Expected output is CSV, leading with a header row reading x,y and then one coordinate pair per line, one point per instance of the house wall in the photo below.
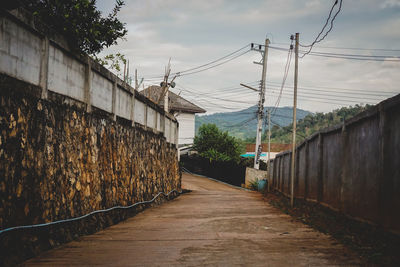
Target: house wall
x,y
186,128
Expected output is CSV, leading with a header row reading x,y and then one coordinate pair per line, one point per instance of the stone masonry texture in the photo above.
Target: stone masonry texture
x,y
58,161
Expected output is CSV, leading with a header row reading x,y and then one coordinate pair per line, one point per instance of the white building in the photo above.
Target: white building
x,y
183,110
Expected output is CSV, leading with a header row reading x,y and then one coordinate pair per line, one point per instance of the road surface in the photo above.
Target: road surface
x,y
214,225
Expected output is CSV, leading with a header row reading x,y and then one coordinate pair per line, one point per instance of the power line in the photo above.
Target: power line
x,y
352,48
206,95
356,58
192,70
336,93
325,100
341,96
334,98
344,90
348,56
318,39
221,99
243,122
286,72
287,129
224,62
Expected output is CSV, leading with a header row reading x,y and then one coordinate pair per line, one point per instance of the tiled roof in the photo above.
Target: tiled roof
x,y
176,102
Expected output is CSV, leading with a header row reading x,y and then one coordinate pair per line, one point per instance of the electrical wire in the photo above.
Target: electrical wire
x,y
243,122
338,90
283,128
192,70
327,100
352,48
286,72
333,98
216,98
224,62
347,56
340,96
318,38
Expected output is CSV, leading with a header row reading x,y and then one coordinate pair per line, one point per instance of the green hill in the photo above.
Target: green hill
x,y
313,123
242,124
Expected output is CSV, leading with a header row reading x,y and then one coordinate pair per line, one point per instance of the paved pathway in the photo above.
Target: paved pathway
x,y
214,225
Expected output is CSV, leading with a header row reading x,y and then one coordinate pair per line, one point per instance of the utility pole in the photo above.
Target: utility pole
x,y
165,86
136,81
269,139
296,66
258,149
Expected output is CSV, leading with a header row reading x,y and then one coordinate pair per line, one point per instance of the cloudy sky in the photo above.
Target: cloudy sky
x,y
193,33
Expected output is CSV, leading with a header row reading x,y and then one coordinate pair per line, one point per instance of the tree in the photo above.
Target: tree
x,y
214,144
80,22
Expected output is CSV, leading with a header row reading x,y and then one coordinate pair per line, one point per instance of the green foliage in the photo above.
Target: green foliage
x,y
80,22
216,145
254,185
313,123
115,62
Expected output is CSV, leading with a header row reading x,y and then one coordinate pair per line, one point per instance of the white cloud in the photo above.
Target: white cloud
x,y
390,4
195,32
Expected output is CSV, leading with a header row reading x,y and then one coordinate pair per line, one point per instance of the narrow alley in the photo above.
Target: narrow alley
x,y
215,224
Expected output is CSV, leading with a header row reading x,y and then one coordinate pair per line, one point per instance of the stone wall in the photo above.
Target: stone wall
x,y
57,161
352,168
29,55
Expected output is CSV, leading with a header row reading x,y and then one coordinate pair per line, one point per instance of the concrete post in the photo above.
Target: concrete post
x,y
280,174
44,67
343,168
274,173
163,120
114,100
171,130
88,84
383,185
297,172
133,101
177,134
320,168
306,162
145,116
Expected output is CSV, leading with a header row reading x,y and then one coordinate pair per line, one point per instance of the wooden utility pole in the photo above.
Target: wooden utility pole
x,y
261,108
292,173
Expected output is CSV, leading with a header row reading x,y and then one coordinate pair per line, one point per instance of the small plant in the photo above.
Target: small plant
x,y
254,185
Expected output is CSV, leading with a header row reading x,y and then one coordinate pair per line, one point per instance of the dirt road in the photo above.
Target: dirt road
x,y
214,225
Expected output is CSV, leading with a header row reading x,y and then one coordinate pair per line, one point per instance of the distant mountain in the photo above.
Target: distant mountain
x,y
242,124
